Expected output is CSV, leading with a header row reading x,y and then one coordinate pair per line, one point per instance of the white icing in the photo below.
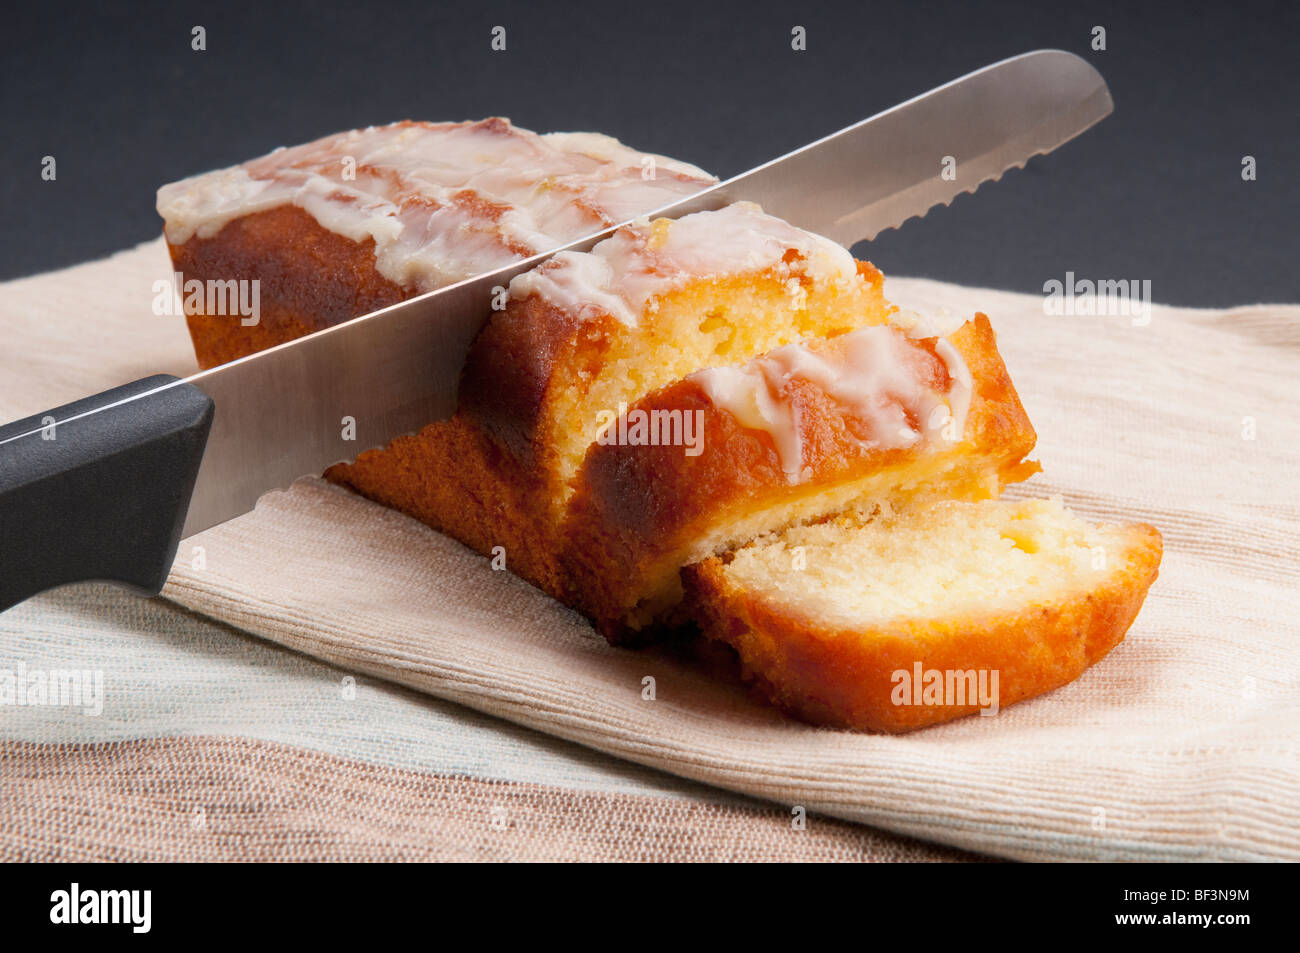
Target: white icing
x,y
580,284
647,259
442,201
960,390
871,373
936,324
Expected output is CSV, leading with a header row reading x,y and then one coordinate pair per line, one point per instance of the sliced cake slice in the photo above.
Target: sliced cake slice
x,y
882,415
906,619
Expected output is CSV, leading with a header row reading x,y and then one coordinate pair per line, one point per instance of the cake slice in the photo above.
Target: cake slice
x,y
896,620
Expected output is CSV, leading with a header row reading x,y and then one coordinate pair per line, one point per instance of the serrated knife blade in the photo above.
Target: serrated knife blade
x,y
280,413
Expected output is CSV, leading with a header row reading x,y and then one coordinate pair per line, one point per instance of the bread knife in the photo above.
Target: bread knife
x,y
105,488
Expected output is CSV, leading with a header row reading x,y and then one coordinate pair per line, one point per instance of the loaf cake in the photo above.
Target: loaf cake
x,y
650,430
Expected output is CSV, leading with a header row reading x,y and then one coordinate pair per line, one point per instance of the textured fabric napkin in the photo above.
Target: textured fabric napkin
x,y
1182,744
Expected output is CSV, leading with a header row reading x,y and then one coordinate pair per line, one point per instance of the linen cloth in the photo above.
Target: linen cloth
x,y
216,745
1182,744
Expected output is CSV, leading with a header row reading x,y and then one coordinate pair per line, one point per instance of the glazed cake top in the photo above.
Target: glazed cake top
x,y
442,201
876,374
621,274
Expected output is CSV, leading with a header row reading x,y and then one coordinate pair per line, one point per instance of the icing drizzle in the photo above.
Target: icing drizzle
x,y
624,272
442,201
875,374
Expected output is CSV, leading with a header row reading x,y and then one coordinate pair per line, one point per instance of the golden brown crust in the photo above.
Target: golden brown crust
x,y
513,363
453,477
310,278
843,678
638,507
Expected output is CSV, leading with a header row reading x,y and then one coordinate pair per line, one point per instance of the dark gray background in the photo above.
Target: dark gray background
x,y
116,94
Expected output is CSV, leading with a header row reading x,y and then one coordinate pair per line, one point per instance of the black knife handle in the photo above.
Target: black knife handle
x,y
101,496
